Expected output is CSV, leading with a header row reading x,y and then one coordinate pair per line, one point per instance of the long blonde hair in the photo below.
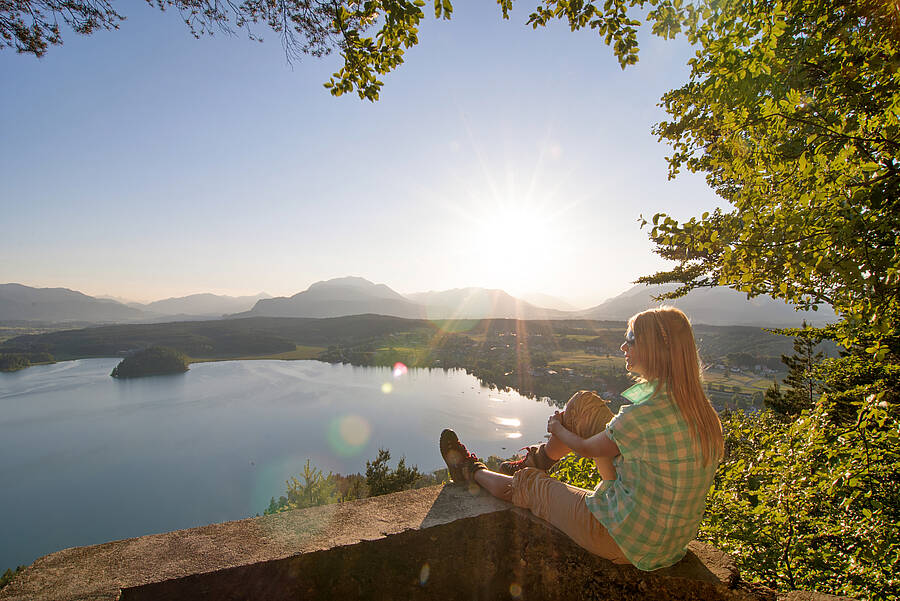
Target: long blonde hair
x,y
666,342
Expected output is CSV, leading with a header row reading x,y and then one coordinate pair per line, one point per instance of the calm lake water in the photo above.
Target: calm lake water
x,y
86,458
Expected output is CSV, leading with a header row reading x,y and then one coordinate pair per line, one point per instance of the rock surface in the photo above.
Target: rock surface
x,y
443,542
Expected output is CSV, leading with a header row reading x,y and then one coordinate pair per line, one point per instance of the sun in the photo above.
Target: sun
x,y
512,244
510,237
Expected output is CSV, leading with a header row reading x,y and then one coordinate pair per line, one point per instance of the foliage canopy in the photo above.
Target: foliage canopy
x,y
793,113
152,361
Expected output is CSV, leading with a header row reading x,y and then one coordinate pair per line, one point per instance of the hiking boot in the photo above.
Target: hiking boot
x,y
535,456
461,464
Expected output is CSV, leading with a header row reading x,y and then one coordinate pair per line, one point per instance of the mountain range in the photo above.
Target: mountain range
x,y
711,306
60,305
356,295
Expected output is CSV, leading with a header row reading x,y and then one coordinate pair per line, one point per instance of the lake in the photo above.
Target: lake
x,y
86,458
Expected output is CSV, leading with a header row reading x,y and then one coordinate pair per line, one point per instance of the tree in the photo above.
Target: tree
x,y
371,36
316,488
9,574
773,396
802,380
381,479
791,112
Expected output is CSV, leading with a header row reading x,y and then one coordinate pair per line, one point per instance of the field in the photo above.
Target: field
x,y
744,381
301,352
578,359
409,355
11,330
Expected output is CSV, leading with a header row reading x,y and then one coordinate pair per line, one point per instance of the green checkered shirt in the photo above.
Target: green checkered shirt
x,y
654,507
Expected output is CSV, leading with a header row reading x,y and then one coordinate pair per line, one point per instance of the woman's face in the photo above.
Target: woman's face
x,y
634,357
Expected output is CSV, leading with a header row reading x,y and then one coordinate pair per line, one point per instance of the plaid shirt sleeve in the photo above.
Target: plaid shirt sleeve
x,y
623,430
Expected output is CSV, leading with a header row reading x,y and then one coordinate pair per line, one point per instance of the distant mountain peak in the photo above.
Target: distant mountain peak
x,y
25,303
350,280
711,306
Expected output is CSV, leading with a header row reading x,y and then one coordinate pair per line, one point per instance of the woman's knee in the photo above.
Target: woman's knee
x,y
579,398
586,413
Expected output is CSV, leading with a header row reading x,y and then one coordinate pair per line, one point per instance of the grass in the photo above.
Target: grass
x,y
410,355
745,382
299,353
576,359
580,337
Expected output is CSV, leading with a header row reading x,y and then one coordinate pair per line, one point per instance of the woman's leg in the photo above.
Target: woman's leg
x,y
499,485
564,507
556,449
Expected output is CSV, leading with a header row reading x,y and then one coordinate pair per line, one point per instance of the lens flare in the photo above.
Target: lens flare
x,y
424,573
387,387
515,590
399,369
347,435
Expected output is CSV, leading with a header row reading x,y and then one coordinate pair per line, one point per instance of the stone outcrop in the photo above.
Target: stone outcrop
x,y
443,542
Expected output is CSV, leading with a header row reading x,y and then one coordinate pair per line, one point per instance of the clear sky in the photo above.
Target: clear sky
x,y
145,164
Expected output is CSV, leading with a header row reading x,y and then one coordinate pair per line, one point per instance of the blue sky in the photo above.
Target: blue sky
x,y
143,163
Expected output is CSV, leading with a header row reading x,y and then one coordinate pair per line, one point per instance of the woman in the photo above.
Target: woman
x,y
657,457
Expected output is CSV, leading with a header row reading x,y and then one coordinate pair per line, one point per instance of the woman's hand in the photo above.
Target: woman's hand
x,y
555,422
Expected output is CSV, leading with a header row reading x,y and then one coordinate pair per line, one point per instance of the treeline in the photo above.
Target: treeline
x,y
495,362
313,487
363,334
16,361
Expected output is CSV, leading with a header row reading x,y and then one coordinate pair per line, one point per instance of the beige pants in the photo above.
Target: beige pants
x,y
560,504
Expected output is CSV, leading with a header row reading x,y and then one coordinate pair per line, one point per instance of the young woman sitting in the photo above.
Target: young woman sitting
x,y
657,457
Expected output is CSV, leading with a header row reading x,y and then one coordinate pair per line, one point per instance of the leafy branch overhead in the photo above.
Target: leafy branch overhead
x,y
372,36
792,112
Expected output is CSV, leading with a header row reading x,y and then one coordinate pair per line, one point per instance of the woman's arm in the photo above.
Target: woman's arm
x,y
599,445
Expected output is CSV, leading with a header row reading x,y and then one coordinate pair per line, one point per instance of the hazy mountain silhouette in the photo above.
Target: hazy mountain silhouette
x,y
356,296
338,297
539,299
479,303
24,303
712,306
204,304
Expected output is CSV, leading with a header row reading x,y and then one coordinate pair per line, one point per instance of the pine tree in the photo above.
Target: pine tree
x,y
802,385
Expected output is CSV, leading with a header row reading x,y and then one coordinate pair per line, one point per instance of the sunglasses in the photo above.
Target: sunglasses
x,y
629,338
